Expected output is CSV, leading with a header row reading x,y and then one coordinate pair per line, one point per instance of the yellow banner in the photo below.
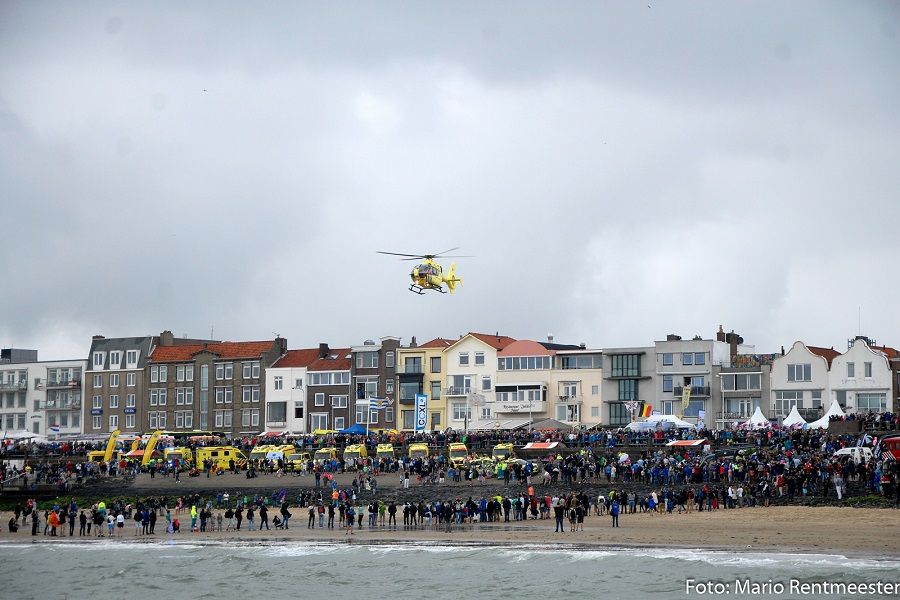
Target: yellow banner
x,y
685,398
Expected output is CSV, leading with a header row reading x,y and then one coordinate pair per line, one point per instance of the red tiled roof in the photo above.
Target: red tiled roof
x,y
437,343
497,341
829,354
222,350
297,358
525,348
891,352
340,362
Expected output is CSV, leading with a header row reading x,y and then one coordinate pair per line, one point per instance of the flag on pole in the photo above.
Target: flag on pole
x,y
647,410
378,403
54,429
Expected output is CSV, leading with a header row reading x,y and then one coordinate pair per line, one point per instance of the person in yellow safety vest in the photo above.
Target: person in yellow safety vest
x,y
193,516
559,457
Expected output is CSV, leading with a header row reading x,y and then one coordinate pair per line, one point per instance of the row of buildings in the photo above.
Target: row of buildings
x,y
476,381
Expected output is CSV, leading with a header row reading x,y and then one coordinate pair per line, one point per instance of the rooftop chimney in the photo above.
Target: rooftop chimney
x,y
99,337
166,338
720,335
673,338
582,345
413,343
323,350
550,337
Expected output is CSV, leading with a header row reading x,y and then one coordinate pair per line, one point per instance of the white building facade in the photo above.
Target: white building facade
x,y
860,379
44,398
799,378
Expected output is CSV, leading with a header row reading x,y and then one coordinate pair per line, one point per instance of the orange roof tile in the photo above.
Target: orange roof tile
x,y
338,359
891,352
525,348
223,350
437,343
297,358
497,341
829,354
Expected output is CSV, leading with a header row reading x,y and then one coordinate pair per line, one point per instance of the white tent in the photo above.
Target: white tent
x,y
758,421
659,422
834,410
21,435
794,419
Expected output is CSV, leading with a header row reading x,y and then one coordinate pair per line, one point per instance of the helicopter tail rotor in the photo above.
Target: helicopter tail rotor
x,y
451,278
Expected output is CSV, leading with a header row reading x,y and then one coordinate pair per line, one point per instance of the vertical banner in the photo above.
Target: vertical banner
x,y
421,412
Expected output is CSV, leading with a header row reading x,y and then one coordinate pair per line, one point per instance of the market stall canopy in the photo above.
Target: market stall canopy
x,y
356,429
548,446
794,419
22,435
551,424
271,434
833,411
758,421
688,443
659,422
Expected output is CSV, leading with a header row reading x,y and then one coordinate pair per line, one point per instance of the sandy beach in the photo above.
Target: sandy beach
x,y
826,530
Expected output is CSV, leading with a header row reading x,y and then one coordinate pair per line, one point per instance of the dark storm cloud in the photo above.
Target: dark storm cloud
x,y
620,171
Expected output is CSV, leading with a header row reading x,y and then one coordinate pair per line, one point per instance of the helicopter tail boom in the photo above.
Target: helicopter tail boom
x,y
451,279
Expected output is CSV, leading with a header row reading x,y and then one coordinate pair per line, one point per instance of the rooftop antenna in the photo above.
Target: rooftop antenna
x,y
858,320
210,332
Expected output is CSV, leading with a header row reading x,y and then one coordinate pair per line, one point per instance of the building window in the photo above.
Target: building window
x,y
867,367
388,415
318,420
250,417
130,401
184,419
485,413
340,423
113,422
251,370
339,402
179,376
320,399
223,395
595,411
628,389
699,358
871,402
800,372
817,398
851,370
570,413
96,422
667,359
435,364
223,418
479,358
98,381
129,421
224,371
595,390
131,379
279,382
389,359
131,360
98,364
97,402
366,360
786,400
486,383
667,384
435,390
114,401
389,386
163,373
460,411
687,358
277,412
464,359
115,360
114,380
626,365
298,383
154,374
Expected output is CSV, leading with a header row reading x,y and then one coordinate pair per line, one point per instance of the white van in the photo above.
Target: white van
x,y
858,455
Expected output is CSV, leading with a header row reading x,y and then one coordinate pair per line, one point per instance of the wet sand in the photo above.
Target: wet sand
x,y
825,530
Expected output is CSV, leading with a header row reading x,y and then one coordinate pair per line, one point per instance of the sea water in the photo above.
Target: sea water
x,y
286,569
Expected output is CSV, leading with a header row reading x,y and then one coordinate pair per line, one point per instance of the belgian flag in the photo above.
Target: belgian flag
x,y
646,410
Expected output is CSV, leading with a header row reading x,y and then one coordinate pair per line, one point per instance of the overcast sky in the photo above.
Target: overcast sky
x,y
618,171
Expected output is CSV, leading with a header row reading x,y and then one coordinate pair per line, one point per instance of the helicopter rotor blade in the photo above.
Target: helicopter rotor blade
x,y
441,254
413,256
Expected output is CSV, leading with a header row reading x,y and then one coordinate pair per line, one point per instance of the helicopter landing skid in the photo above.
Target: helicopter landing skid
x,y
417,290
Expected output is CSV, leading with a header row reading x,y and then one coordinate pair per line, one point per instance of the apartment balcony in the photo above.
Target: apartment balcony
x,y
69,384
54,405
457,391
696,390
571,399
734,416
410,370
19,386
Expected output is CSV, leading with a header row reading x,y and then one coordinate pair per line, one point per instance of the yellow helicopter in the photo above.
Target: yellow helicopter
x,y
429,275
